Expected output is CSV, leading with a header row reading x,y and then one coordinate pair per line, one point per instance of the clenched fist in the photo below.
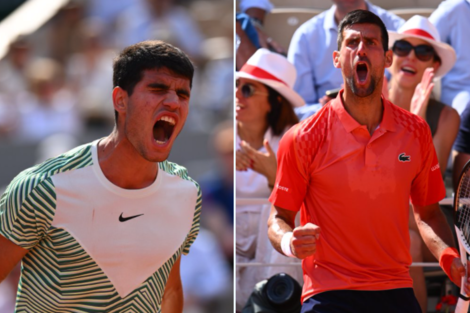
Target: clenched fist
x,y
304,240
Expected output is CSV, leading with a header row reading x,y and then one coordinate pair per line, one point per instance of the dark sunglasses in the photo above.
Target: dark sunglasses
x,y
248,90
423,52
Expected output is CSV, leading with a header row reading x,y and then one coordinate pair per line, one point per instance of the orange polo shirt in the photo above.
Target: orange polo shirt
x,y
357,188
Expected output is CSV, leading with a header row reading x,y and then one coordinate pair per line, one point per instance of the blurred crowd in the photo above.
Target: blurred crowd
x,y
55,93
429,77
62,75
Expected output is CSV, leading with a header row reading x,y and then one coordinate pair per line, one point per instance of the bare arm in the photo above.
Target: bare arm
x,y
10,255
444,138
433,228
304,239
173,296
280,222
437,235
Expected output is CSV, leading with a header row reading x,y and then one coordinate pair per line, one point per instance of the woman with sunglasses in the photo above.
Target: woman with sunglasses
x,y
420,56
264,112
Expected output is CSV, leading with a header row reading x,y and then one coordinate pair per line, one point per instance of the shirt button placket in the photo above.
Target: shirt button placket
x,y
370,157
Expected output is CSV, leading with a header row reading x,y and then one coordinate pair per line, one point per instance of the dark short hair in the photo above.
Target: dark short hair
x,y
362,17
130,64
282,114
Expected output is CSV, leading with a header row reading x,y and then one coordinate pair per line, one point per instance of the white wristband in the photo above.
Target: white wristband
x,y
285,244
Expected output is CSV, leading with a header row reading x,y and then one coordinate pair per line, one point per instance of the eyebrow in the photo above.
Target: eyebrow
x,y
371,38
358,36
182,91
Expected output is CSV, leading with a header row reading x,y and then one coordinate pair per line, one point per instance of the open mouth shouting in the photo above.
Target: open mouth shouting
x,y
362,71
163,129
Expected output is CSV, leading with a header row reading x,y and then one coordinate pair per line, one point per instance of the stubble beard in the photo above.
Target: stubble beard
x,y
362,91
139,145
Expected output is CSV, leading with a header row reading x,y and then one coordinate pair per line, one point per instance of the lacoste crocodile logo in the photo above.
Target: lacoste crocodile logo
x,y
404,158
123,219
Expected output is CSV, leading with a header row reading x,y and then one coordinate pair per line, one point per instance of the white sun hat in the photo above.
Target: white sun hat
x,y
273,70
420,27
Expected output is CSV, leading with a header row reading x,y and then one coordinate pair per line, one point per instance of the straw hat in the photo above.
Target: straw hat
x,y
273,70
420,27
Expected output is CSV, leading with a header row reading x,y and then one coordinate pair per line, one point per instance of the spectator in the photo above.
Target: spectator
x,y
256,9
89,74
264,112
64,31
250,31
48,108
313,44
217,190
163,20
452,21
411,81
215,97
13,82
109,12
419,56
12,69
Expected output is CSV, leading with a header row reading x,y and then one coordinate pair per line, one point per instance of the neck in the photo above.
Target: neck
x,y
123,165
341,11
401,96
252,133
366,111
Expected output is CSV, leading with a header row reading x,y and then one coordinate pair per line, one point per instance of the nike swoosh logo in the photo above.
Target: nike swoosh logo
x,y
123,219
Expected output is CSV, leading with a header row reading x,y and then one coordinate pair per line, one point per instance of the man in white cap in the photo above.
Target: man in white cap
x,y
419,56
351,170
248,43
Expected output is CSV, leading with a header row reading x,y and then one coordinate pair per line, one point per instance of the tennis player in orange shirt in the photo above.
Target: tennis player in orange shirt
x,y
351,170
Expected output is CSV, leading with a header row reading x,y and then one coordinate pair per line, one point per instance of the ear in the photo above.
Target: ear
x,y
120,99
388,58
336,56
